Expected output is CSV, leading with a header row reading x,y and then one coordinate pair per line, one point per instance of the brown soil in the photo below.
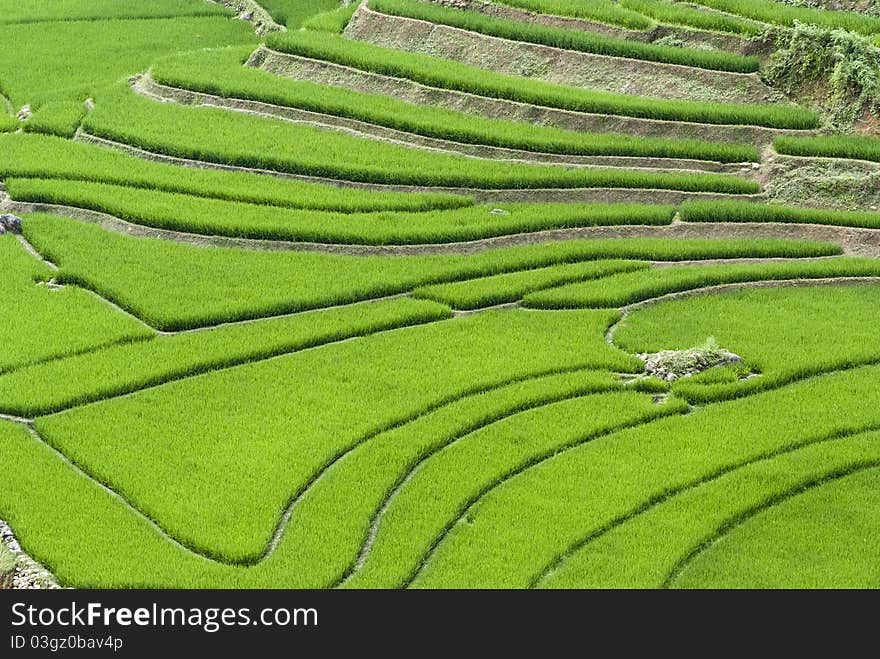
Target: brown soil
x,y
301,68
567,67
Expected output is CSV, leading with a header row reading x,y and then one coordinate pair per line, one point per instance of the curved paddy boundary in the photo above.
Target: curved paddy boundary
x,y
325,72
426,557
716,289
287,515
746,515
854,241
691,36
146,86
376,521
480,195
653,502
470,47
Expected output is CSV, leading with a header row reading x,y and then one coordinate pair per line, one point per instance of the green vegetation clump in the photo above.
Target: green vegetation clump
x,y
61,118
731,211
833,146
627,288
447,74
833,68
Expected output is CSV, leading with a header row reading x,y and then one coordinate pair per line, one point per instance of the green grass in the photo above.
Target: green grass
x,y
292,13
838,146
60,118
815,532
216,217
627,288
62,383
521,526
50,157
292,423
217,135
565,38
191,286
72,60
785,336
447,74
726,211
782,13
32,11
39,323
220,72
499,289
8,123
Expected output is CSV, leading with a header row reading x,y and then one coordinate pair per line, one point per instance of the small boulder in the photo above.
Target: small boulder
x,y
10,223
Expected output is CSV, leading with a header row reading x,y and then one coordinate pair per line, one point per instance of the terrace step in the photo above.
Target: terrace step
x,y
556,65
303,68
149,88
853,241
690,36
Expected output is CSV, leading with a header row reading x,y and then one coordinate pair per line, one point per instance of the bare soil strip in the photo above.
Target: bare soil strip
x,y
556,65
690,36
303,68
149,88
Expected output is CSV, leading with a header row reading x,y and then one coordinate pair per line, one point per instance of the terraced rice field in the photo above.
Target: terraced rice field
x,y
373,294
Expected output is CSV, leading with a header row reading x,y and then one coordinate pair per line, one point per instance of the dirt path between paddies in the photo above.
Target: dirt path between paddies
x,y
149,88
565,195
853,241
328,73
691,37
622,75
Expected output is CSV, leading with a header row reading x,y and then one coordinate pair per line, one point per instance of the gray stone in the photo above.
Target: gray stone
x,y
10,223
